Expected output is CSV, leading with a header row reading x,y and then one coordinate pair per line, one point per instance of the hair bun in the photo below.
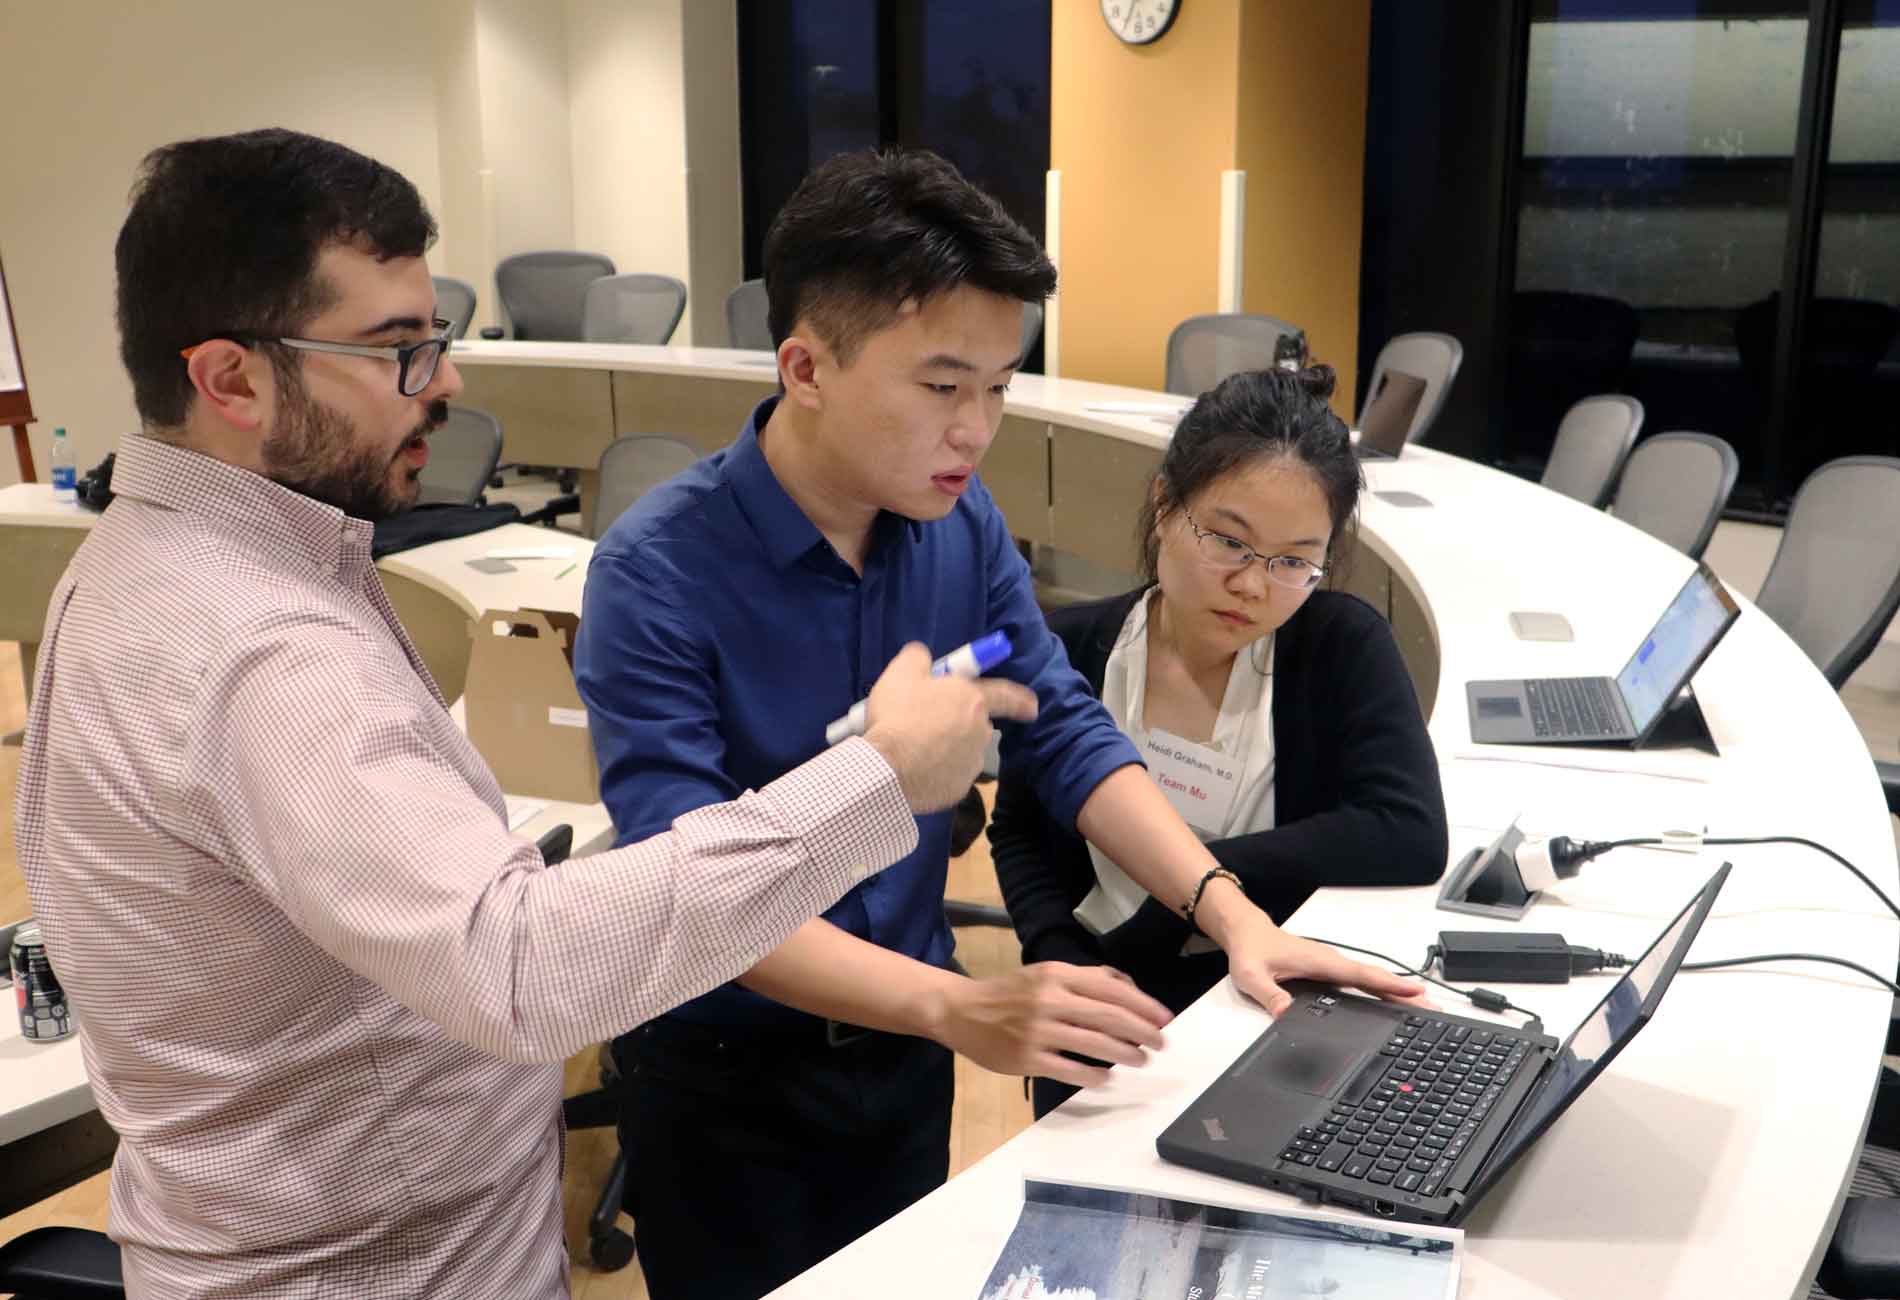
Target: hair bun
x,y
1318,379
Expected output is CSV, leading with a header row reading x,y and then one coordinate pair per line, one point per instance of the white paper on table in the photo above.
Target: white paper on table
x,y
1596,802
528,553
522,811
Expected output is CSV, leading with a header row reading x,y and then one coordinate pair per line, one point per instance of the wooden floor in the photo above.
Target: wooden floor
x,y
990,1108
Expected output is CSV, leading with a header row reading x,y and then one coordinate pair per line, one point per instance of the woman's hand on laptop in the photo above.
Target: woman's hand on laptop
x,y
1260,954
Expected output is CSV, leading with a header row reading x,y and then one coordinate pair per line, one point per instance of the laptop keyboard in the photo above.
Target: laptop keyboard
x,y
1572,706
1412,1110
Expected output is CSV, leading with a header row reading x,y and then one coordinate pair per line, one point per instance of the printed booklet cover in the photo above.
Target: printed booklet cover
x,y
1097,1243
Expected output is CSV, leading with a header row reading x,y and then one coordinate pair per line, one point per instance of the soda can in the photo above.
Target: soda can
x,y
45,1014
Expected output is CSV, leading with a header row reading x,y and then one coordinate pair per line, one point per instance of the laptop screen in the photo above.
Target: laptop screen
x,y
1675,646
1387,419
1606,1030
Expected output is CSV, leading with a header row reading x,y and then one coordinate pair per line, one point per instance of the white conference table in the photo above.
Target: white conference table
x,y
43,1084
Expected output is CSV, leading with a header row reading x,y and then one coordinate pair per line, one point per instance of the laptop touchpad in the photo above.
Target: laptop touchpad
x,y
1499,706
1299,1060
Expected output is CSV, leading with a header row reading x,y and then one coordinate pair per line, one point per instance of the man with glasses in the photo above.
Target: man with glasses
x,y
323,993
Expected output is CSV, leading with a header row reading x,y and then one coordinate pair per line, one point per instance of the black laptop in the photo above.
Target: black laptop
x,y
1386,422
1410,1114
1626,707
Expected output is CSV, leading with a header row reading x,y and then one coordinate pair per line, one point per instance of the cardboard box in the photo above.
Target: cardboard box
x,y
524,712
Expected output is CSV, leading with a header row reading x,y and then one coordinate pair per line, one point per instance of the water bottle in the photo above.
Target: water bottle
x,y
65,478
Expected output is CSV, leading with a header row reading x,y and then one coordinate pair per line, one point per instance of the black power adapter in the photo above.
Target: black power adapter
x,y
1514,957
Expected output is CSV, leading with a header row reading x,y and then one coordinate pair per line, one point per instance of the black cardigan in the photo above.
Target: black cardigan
x,y
1356,796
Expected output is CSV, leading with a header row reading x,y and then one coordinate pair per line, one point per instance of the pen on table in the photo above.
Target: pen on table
x,y
971,661
569,569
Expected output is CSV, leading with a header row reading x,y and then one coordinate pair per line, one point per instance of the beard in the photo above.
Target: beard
x,y
318,451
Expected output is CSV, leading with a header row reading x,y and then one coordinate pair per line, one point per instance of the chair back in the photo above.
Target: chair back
x,y
1675,486
455,303
1032,329
1835,580
462,457
630,468
543,293
1592,443
636,308
1203,350
1435,358
747,322
60,1263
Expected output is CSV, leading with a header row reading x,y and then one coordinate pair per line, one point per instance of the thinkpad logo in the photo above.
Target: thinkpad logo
x,y
1215,1133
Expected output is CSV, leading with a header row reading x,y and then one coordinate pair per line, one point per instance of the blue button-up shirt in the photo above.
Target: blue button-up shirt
x,y
721,633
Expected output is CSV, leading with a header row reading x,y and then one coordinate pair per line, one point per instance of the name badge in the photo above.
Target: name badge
x,y
1200,782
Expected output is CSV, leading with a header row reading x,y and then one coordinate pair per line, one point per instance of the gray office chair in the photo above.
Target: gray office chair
x,y
1835,580
455,303
61,1264
462,456
1862,1261
747,322
1435,358
543,293
631,467
1591,445
635,308
1675,486
1203,350
1032,328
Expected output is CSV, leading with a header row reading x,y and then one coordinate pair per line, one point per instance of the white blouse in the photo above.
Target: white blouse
x,y
1226,801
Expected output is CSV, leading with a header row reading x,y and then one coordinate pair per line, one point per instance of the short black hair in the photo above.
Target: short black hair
x,y
867,232
223,239
1248,417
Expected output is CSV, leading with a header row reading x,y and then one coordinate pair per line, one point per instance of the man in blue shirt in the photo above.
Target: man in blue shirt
x,y
736,610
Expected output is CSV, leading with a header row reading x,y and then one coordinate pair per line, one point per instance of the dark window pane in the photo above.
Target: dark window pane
x,y
1848,390
967,78
973,84
1653,211
809,88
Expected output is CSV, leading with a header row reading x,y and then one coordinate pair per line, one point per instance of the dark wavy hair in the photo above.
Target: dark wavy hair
x,y
223,239
867,232
1249,417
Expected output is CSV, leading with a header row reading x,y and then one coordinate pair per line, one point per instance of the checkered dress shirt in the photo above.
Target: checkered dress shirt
x,y
323,993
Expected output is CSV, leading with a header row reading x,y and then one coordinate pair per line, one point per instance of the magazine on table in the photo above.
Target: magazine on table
x,y
1078,1242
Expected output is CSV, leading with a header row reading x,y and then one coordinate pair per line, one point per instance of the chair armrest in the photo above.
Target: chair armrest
x,y
62,1264
1890,783
491,332
556,844
958,912
566,504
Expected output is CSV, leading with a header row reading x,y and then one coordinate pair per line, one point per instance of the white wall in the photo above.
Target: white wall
x,y
715,219
525,124
653,92
521,55
90,88
627,113
466,249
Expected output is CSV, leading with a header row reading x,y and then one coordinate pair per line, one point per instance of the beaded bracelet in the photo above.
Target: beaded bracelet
x,y
1222,873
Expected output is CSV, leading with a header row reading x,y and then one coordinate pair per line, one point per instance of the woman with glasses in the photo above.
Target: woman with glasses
x,y
1275,714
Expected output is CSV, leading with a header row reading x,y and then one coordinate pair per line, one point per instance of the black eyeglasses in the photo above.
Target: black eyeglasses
x,y
415,363
1224,552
